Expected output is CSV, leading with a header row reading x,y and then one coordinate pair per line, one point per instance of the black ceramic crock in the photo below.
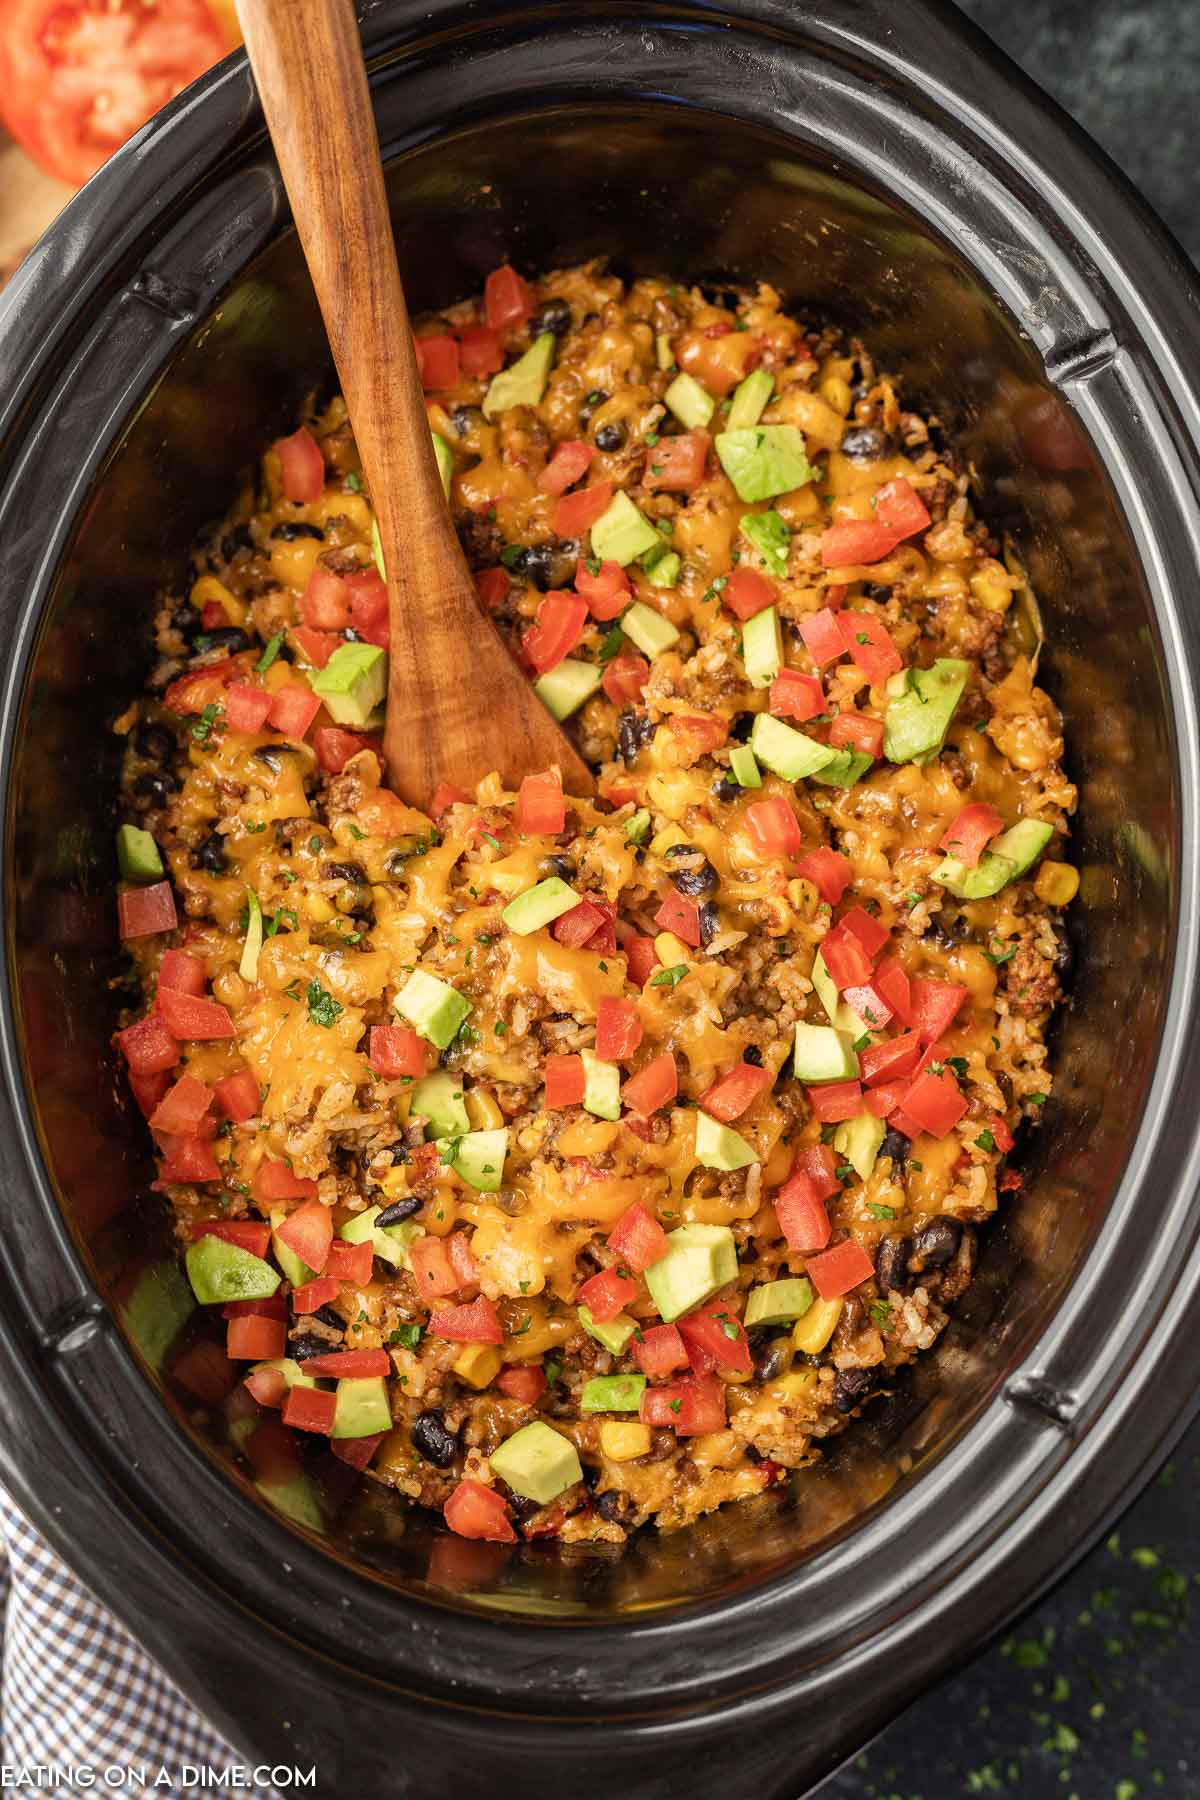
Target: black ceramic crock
x,y
879,163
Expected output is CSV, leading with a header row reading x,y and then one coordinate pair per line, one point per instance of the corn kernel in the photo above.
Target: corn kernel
x,y
292,563
992,587
482,1110
814,1330
1056,883
478,1364
622,1439
395,1181
837,392
671,950
319,909
208,589
660,844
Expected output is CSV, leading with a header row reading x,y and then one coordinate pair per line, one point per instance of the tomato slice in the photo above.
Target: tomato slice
x,y
747,592
188,1016
351,1365
434,1273
238,1096
143,911
541,809
255,1339
325,602
802,1217
182,1107
247,1234
507,299
309,1232
315,646
795,696
479,350
474,1324
396,1051
148,1090
855,731
900,509
641,959
310,1409
607,1294
576,513
476,1511
578,926
935,1103
524,1382
835,1101
493,586
675,465
351,1262
934,1005
148,1046
437,359
660,1351
246,707
700,733
889,1061
561,618
716,1339
868,644
275,1181
869,932
335,747
293,709
836,1271
856,541
625,677
680,916
302,467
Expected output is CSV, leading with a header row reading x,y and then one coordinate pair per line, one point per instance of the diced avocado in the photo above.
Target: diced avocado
x,y
292,1371
622,533
847,767
537,1462
138,858
614,1334
764,460
637,826
248,967
524,382
352,683
762,648
612,1393
770,536
749,400
601,1087
743,765
1012,853
361,1408
539,906
390,1242
720,1147
294,1267
824,1054
777,1302
664,573
919,715
298,1499
438,1098
1023,843
564,690
699,1260
648,629
786,751
859,1140
664,356
444,458
838,1011
692,404
158,1308
479,1159
221,1272
432,1007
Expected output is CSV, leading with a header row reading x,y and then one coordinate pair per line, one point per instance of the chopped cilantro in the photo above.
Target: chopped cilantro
x,y
314,844
323,1009
882,1315
880,1212
493,841
1036,1099
1001,956
204,724
669,977
552,1369
408,1335
985,1141
356,833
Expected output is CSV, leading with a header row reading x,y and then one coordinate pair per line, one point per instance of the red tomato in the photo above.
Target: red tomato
x,y
479,350
854,731
1003,1136
335,746
564,1078
213,616
820,1165
446,795
892,981
275,1181
637,1238
275,1306
206,686
437,359
822,639
433,1272
974,828
302,467
189,1016
576,513
569,464
869,646
607,592
680,916
493,586
934,1005
663,1405
507,299
541,809
835,1100
654,1086
350,1262
143,911
900,509
716,1339
473,1324
325,602
368,599
802,1217
618,1029
795,696
189,1159
349,1365
856,541
315,646
844,957
935,1103
205,1370
182,1107
574,928
461,1259
747,592
148,1046
703,1408
675,465
476,1511
606,1294
311,1296
77,80
869,1004
659,1351
247,1234
625,677
524,1381
700,733
359,1451
246,707
396,1051
148,1090
293,709
729,1097
255,1339
890,1060
561,617
310,1409
828,872
774,826
867,929
641,959
884,1099
238,1096
309,1232
836,1271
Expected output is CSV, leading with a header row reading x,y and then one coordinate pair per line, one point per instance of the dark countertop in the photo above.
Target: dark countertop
x,y
1094,1695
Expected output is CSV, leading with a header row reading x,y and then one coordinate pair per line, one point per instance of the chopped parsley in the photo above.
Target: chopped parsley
x,y
204,724
356,833
669,977
323,1009
1036,1099
1002,955
882,1315
314,844
985,1141
552,1369
880,1212
408,1335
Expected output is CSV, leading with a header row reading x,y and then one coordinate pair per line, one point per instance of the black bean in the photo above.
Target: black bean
x,y
937,1243
850,1388
591,1477
481,538
775,1360
878,593
613,1504
157,787
520,1507
433,1439
549,565
753,1055
1064,951
399,1210
155,741
633,730
562,866
753,1455
718,294
552,315
864,444
211,854
186,618
228,638
237,539
291,529
726,789
329,1317
891,1263
344,871
465,419
710,923
694,883
897,1146
610,437
741,726
309,1344
594,400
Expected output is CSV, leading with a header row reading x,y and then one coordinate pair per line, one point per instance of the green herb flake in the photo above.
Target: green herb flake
x,y
323,1009
314,844
985,1141
880,1212
408,1335
669,977
204,724
493,841
354,482
271,651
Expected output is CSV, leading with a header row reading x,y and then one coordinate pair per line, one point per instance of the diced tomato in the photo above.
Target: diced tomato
x,y
396,1051
701,733
541,809
437,359
350,1262
935,1103
309,1232
476,1511
205,687
801,1212
869,1004
325,602
606,1294
900,509
275,1181
625,677
148,1090
293,709
446,795
507,299
479,351
885,1098
748,592
182,1107
973,829
335,747
432,1269
856,541
716,1339
302,467
891,979
890,1060
213,616
822,639
680,916
829,873
523,1381
675,465
359,1451
1003,1136
654,1086
835,1100
844,957
142,911
935,1005
238,1096
576,513
663,1405
855,731
641,958
564,1078
189,1159
638,1238
368,601
273,1306
255,1339
190,1016
795,696
205,1371
148,1046
618,1028
493,586
246,707
574,928
659,1351
607,592
473,1324
247,1234
462,1260
729,1097
313,1295
310,1409
570,462
316,646
181,972
349,1365
774,826
561,617
900,1121
836,1271
869,646
866,928
703,1408
820,1165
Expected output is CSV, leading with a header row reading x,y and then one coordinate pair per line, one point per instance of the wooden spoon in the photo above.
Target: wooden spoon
x,y
458,705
